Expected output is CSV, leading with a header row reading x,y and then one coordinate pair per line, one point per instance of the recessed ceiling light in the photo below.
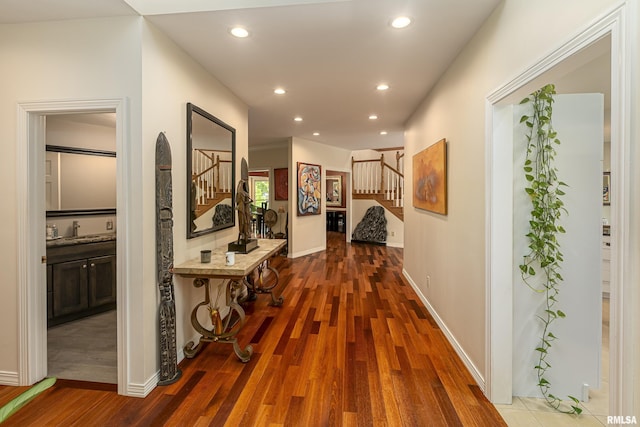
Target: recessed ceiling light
x,y
373,117
298,119
316,133
401,22
384,132
382,86
279,91
239,32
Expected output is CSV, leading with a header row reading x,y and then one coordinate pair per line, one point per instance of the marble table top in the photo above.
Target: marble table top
x,y
244,263
79,240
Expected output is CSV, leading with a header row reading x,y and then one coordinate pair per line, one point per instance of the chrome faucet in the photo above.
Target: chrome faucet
x,y
75,228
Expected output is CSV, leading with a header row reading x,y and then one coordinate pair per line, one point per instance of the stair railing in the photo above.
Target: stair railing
x,y
211,173
376,177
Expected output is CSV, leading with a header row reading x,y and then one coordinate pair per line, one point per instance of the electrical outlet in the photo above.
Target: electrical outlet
x,y
393,233
428,281
109,224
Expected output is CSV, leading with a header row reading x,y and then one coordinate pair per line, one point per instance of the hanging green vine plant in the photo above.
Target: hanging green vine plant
x,y
540,268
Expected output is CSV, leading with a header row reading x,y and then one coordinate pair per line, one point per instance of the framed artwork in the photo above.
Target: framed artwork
x,y
430,178
281,183
334,190
606,188
309,189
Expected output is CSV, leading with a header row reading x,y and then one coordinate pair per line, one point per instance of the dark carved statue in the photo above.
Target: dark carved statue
x,y
244,243
169,372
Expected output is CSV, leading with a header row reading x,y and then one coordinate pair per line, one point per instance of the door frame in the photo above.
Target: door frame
x,y
31,248
498,368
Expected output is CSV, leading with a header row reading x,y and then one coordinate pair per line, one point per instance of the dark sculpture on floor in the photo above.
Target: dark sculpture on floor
x,y
372,228
169,372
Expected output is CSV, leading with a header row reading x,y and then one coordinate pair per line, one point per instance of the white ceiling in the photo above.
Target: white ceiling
x,y
329,55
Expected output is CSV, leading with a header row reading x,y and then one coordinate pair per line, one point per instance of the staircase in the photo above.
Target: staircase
x,y
376,180
210,202
211,179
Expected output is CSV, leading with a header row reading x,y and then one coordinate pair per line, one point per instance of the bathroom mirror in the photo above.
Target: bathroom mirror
x,y
211,146
79,181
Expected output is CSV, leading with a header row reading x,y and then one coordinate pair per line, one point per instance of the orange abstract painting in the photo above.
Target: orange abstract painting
x,y
430,178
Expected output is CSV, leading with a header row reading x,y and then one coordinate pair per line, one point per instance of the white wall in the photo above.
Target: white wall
x,y
171,79
575,356
308,233
93,131
451,249
55,61
106,59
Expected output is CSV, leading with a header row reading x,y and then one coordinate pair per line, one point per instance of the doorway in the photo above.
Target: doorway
x,y
336,202
31,234
499,299
80,202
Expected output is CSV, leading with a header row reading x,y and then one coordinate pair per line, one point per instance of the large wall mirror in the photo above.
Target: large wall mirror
x,y
211,146
79,181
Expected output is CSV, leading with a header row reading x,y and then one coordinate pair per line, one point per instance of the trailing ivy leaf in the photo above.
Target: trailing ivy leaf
x,y
561,313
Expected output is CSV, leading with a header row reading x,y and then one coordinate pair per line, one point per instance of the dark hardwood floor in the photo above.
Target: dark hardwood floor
x,y
352,346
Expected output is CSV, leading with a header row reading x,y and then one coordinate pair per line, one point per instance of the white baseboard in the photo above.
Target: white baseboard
x,y
478,377
143,390
9,378
395,245
308,252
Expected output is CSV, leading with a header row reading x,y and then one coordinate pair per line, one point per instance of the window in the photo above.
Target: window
x,y
259,187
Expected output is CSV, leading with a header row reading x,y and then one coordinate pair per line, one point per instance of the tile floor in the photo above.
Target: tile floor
x,y
84,349
530,412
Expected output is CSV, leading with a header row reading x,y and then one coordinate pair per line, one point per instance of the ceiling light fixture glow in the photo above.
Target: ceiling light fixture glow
x,y
382,86
316,133
298,119
401,22
279,91
373,117
239,32
384,132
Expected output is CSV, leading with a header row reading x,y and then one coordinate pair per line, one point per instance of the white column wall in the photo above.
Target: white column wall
x,y
87,59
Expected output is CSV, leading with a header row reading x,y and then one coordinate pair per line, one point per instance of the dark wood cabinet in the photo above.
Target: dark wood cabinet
x,y
81,281
336,221
70,292
102,280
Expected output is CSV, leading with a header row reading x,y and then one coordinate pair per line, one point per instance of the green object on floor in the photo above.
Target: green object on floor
x,y
14,405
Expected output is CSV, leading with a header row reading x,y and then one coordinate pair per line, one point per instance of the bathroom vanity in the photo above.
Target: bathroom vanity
x,y
81,277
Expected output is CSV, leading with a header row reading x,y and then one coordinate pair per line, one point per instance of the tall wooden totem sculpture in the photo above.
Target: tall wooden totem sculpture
x,y
169,372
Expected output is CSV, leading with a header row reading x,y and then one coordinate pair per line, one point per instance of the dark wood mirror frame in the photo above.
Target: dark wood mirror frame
x,y
211,154
83,210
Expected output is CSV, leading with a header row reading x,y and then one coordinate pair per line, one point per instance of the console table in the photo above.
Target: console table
x,y
235,290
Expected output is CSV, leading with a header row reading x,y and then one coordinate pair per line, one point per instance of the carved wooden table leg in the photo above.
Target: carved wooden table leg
x,y
231,325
